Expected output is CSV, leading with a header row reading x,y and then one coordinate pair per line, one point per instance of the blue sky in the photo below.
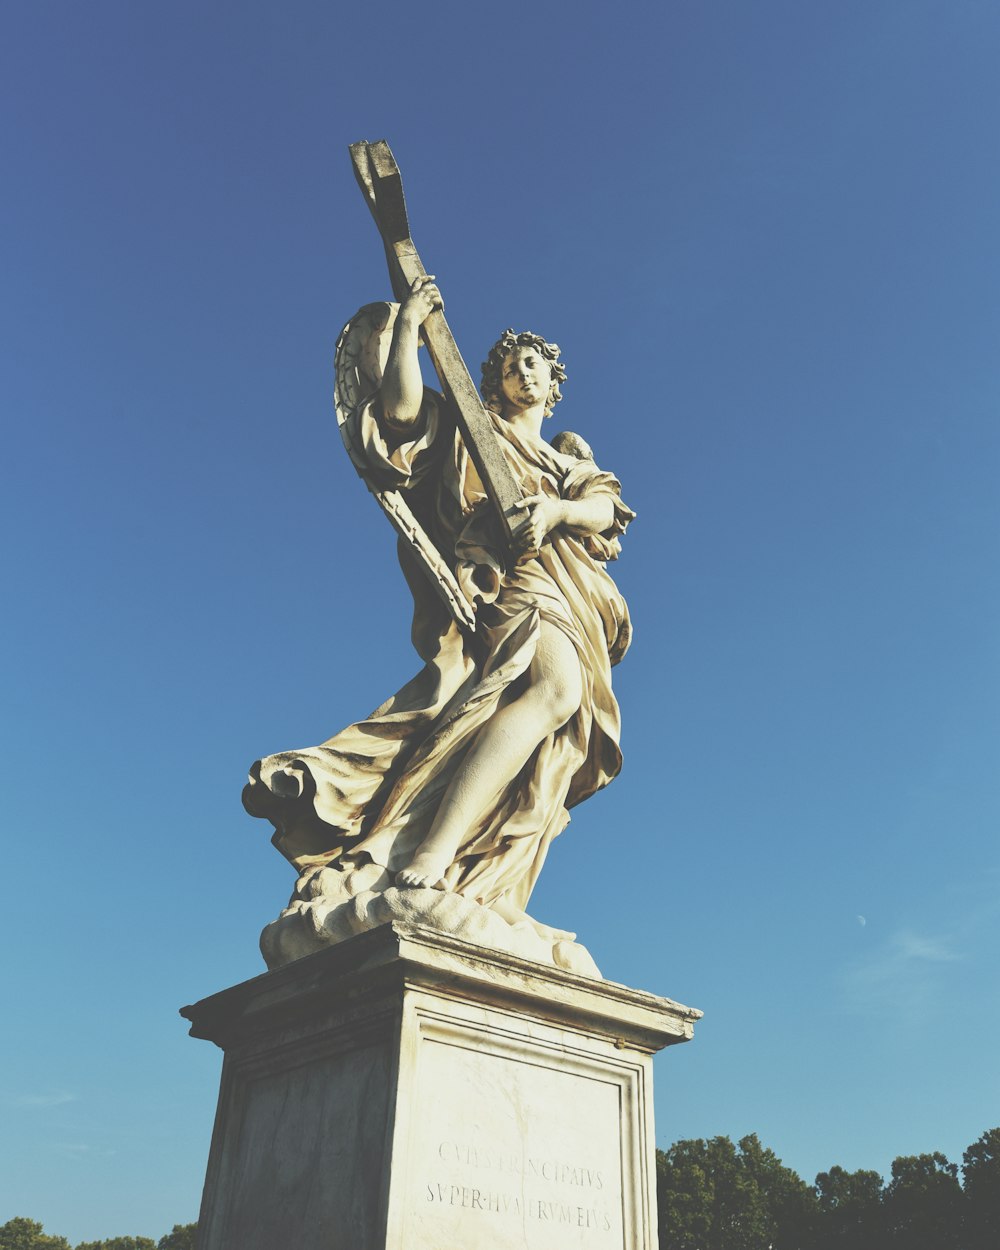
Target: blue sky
x,y
765,237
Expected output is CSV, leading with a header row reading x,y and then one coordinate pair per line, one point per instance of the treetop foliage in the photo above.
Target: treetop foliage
x,y
119,1243
981,1174
714,1195
180,1237
22,1234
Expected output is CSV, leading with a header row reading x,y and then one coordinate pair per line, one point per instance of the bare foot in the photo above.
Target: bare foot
x,y
424,872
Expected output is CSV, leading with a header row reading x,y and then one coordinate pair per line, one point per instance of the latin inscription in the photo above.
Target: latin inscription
x,y
513,1153
574,1209
547,1169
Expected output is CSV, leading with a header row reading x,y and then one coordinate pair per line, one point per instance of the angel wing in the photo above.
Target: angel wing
x,y
359,361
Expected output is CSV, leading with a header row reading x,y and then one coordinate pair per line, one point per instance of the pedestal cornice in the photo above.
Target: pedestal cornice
x,y
386,962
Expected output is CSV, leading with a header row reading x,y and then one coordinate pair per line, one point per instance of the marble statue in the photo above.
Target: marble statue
x,y
440,807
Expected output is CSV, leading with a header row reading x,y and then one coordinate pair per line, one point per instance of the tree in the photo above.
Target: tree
x,y
715,1196
741,1215
119,1243
981,1173
22,1234
180,1237
850,1210
789,1203
685,1194
923,1204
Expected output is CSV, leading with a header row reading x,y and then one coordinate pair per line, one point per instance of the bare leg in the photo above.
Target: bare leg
x,y
501,749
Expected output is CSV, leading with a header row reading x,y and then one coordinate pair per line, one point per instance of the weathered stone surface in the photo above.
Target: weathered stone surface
x,y
404,1090
329,906
459,781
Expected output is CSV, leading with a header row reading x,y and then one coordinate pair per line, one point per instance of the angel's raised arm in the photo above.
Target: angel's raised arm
x,y
402,391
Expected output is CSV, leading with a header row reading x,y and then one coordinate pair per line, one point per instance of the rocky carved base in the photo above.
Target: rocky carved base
x,y
330,905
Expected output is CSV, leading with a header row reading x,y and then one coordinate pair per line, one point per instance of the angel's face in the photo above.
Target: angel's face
x,y
526,379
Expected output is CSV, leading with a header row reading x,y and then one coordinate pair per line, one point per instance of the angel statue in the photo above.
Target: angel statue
x,y
440,807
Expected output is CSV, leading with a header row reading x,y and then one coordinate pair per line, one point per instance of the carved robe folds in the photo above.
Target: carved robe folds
x,y
370,793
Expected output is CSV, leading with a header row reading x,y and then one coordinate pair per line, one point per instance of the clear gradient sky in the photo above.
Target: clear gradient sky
x,y
766,236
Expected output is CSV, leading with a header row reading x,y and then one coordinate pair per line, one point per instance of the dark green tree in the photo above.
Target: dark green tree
x,y
22,1234
685,1195
850,1210
180,1237
923,1204
119,1243
789,1203
981,1173
713,1195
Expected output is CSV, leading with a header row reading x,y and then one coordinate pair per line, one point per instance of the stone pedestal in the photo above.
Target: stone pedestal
x,y
405,1090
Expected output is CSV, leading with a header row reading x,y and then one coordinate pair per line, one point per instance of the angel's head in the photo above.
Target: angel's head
x,y
521,370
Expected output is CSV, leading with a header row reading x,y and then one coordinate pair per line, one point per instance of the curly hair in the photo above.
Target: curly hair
x,y
491,387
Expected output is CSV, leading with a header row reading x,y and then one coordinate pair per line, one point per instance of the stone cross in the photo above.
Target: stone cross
x,y
381,183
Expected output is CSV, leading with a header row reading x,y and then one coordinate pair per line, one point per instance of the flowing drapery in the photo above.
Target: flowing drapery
x,y
370,793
